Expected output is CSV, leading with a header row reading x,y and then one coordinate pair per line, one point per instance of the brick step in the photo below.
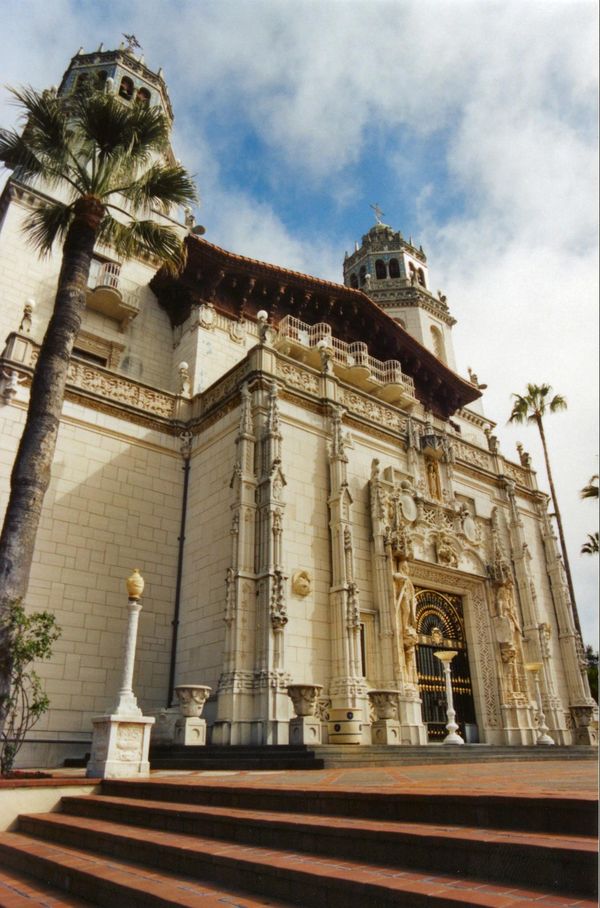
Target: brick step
x,y
299,878
337,756
549,861
99,880
190,762
20,891
561,815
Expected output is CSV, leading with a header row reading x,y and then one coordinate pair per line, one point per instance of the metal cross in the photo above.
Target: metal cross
x,y
378,212
132,41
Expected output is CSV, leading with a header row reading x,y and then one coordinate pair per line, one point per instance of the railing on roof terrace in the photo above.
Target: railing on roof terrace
x,y
345,355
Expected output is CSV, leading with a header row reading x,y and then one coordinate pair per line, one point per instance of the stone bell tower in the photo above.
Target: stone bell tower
x,y
121,72
393,272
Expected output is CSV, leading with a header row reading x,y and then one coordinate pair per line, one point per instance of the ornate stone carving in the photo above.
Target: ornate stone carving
x,y
192,698
301,583
384,703
305,698
298,377
207,316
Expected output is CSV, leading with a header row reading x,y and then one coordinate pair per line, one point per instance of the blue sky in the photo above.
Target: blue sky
x,y
473,124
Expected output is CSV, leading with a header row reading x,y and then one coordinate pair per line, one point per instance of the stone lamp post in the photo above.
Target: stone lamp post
x,y
542,730
305,727
446,656
121,739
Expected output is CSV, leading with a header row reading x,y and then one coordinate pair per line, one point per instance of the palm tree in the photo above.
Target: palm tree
x,y
531,408
591,546
591,489
106,163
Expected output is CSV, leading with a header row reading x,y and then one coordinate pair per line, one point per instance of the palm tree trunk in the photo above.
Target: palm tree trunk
x,y
561,534
31,471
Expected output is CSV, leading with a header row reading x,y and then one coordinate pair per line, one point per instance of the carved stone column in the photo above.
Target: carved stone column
x,y
531,620
581,704
347,686
235,702
272,701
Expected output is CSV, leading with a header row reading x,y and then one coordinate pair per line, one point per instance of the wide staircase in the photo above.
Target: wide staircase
x,y
203,842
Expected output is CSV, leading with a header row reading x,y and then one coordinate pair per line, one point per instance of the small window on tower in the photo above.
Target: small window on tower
x,y
380,270
362,274
394,268
143,97
438,343
354,280
101,77
82,81
421,277
126,88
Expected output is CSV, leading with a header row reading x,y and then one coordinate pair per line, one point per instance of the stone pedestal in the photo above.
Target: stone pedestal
x,y
518,724
305,730
163,731
584,730
120,746
385,731
191,731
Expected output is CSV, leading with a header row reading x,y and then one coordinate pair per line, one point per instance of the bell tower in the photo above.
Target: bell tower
x,y
393,272
120,72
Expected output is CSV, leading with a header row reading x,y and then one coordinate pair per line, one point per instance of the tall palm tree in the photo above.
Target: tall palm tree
x,y
591,489
531,408
106,164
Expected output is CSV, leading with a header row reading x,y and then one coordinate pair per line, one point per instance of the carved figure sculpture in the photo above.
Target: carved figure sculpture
x,y
433,480
445,552
406,618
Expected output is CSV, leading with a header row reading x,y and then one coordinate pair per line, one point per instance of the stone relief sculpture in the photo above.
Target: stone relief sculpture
x,y
301,583
406,618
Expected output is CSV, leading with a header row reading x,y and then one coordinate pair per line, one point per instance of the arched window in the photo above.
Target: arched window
x,y
421,277
143,97
362,275
82,81
354,280
394,268
380,270
400,321
126,88
438,343
101,78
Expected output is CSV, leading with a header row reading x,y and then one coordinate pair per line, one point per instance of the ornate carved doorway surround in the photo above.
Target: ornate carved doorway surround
x,y
479,646
440,625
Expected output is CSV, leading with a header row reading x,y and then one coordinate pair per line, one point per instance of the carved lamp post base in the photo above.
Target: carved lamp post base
x,y
120,746
305,730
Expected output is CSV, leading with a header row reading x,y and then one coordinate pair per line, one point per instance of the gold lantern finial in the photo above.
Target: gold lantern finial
x,y
135,584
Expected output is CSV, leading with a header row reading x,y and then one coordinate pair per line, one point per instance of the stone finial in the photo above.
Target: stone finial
x,y
135,585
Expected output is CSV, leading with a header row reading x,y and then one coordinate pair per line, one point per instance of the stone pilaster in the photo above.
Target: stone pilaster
x,y
235,693
347,686
272,679
534,652
581,704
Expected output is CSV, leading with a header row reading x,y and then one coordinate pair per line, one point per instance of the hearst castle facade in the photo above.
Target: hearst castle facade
x,y
310,490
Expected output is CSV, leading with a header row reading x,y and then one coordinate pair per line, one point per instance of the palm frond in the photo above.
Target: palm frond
x,y
147,237
591,546
532,406
160,187
591,489
16,153
46,128
48,224
557,403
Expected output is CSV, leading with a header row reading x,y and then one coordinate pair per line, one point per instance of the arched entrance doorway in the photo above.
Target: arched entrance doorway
x,y
440,625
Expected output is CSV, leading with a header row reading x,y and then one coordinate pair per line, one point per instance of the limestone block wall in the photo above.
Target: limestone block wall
x,y
147,340
211,344
207,554
113,504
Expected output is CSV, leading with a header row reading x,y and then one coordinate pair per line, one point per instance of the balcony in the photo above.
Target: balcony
x,y
351,362
111,295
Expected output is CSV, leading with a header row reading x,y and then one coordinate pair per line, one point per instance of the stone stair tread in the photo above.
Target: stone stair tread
x,y
146,886
376,882
17,890
303,822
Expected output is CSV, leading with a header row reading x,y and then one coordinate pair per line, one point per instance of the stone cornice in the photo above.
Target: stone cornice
x,y
240,287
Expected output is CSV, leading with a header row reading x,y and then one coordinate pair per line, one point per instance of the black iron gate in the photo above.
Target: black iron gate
x,y
440,626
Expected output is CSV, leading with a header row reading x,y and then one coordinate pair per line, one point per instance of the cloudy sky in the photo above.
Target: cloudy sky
x,y
473,124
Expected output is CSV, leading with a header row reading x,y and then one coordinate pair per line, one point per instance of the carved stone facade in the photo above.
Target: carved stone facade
x,y
315,509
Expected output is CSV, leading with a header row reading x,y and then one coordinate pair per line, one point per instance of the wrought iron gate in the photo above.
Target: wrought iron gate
x,y
440,625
